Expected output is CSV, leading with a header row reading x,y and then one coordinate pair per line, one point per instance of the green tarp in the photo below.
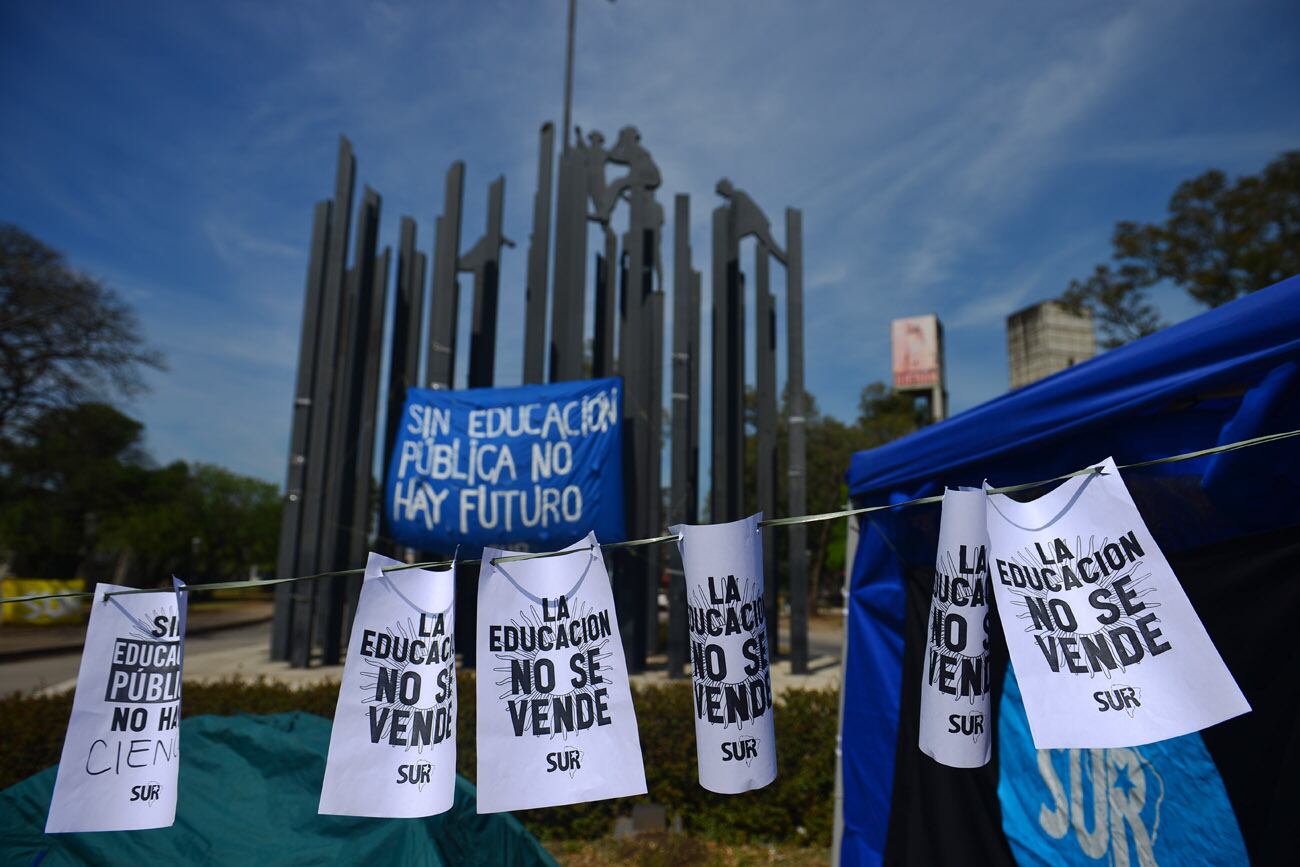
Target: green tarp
x,y
249,787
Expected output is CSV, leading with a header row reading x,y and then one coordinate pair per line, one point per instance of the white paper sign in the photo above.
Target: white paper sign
x,y
955,718
555,718
735,736
393,745
118,770
1106,647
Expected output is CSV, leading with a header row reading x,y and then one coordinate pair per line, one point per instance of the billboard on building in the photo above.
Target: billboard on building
x,y
916,351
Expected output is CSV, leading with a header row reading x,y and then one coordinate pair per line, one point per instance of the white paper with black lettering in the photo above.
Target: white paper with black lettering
x,y
955,678
118,770
1107,649
555,718
393,745
735,734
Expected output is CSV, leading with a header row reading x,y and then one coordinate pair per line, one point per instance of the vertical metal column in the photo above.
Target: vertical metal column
x,y
327,595
734,453
602,351
291,511
310,554
650,417
404,352
634,363
796,422
367,413
570,268
602,341
484,260
539,254
681,492
765,450
696,362
733,382
718,507
444,304
728,372
351,415
626,576
654,426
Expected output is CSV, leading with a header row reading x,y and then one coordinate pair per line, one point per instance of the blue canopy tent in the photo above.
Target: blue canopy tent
x,y
1228,523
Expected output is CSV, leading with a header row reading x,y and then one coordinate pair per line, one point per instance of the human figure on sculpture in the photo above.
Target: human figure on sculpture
x,y
594,156
642,173
749,218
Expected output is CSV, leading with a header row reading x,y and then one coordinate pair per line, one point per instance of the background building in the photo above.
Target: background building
x,y
917,344
1046,338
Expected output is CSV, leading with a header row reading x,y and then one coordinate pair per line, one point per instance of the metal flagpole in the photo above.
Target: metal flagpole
x,y
567,129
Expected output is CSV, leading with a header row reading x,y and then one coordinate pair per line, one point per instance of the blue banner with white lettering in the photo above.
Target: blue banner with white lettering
x,y
1161,803
533,467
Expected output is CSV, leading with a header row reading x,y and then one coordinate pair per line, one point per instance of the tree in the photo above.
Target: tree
x,y
64,336
79,498
236,520
1222,239
883,416
74,468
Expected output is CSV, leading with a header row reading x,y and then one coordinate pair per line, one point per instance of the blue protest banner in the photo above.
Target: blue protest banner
x,y
534,467
1160,803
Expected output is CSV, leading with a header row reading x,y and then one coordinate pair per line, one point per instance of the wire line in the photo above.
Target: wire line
x,y
672,537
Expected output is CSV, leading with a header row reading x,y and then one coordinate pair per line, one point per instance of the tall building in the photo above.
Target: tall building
x,y
917,344
1046,338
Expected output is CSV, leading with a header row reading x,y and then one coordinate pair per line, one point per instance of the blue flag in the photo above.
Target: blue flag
x,y
533,467
1161,803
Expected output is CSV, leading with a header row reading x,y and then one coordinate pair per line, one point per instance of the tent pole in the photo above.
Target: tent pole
x,y
850,549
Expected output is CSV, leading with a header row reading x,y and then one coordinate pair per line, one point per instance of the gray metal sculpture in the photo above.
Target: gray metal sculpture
x,y
444,305
483,260
291,520
637,310
795,462
352,415
685,485
408,327
568,283
291,634
334,430
738,219
334,433
539,252
748,219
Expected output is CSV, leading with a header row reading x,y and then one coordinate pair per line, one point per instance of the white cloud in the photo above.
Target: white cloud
x,y
921,143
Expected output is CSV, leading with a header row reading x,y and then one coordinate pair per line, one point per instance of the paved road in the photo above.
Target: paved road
x,y
218,653
825,639
25,675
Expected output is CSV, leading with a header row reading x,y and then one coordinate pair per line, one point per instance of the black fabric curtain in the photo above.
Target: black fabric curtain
x,y
1246,590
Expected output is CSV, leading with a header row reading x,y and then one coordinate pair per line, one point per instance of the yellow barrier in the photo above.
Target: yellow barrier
x,y
42,611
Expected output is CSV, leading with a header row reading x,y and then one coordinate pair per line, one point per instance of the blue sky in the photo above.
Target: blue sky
x,y
958,158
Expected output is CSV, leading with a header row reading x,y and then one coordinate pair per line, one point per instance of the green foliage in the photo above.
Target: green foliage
x,y
73,465
653,849
64,337
1222,239
228,523
796,808
883,416
76,493
658,850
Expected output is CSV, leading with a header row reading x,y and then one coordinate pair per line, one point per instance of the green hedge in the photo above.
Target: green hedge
x,y
797,808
